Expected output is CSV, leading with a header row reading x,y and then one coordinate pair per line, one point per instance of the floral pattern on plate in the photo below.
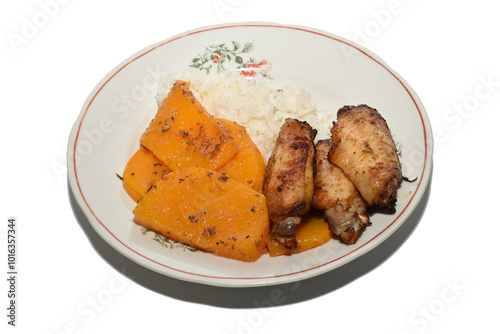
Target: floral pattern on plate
x,y
236,56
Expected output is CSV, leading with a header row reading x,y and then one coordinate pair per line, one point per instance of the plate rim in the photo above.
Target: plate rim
x,y
228,281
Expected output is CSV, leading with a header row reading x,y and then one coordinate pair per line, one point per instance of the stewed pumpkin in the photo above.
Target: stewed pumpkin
x,y
207,210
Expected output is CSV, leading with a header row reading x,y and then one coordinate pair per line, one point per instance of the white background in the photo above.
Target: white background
x,y
443,279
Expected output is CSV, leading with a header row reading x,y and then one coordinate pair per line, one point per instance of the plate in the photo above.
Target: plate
x,y
336,71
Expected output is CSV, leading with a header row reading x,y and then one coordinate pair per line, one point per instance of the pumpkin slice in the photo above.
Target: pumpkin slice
x,y
312,232
207,210
248,165
141,172
183,134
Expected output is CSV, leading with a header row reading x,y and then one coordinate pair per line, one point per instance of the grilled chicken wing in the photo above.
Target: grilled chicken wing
x,y
288,179
362,146
345,209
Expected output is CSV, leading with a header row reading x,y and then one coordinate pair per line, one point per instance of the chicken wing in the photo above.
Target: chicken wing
x,y
345,209
288,179
362,146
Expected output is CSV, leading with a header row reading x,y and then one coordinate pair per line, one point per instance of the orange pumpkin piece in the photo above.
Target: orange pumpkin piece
x,y
248,165
312,232
207,210
141,172
183,134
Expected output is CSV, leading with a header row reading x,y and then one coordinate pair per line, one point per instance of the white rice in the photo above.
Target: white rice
x,y
257,105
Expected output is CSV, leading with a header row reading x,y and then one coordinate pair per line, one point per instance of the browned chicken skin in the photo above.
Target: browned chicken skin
x,y
288,179
362,146
345,209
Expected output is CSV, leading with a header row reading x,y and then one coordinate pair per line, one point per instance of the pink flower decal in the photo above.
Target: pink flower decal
x,y
217,58
253,69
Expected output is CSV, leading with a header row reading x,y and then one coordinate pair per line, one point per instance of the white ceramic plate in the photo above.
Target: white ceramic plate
x,y
336,71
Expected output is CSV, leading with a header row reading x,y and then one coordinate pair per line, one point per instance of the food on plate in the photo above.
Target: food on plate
x,y
288,179
344,208
248,165
141,171
312,232
183,134
200,176
207,210
363,147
